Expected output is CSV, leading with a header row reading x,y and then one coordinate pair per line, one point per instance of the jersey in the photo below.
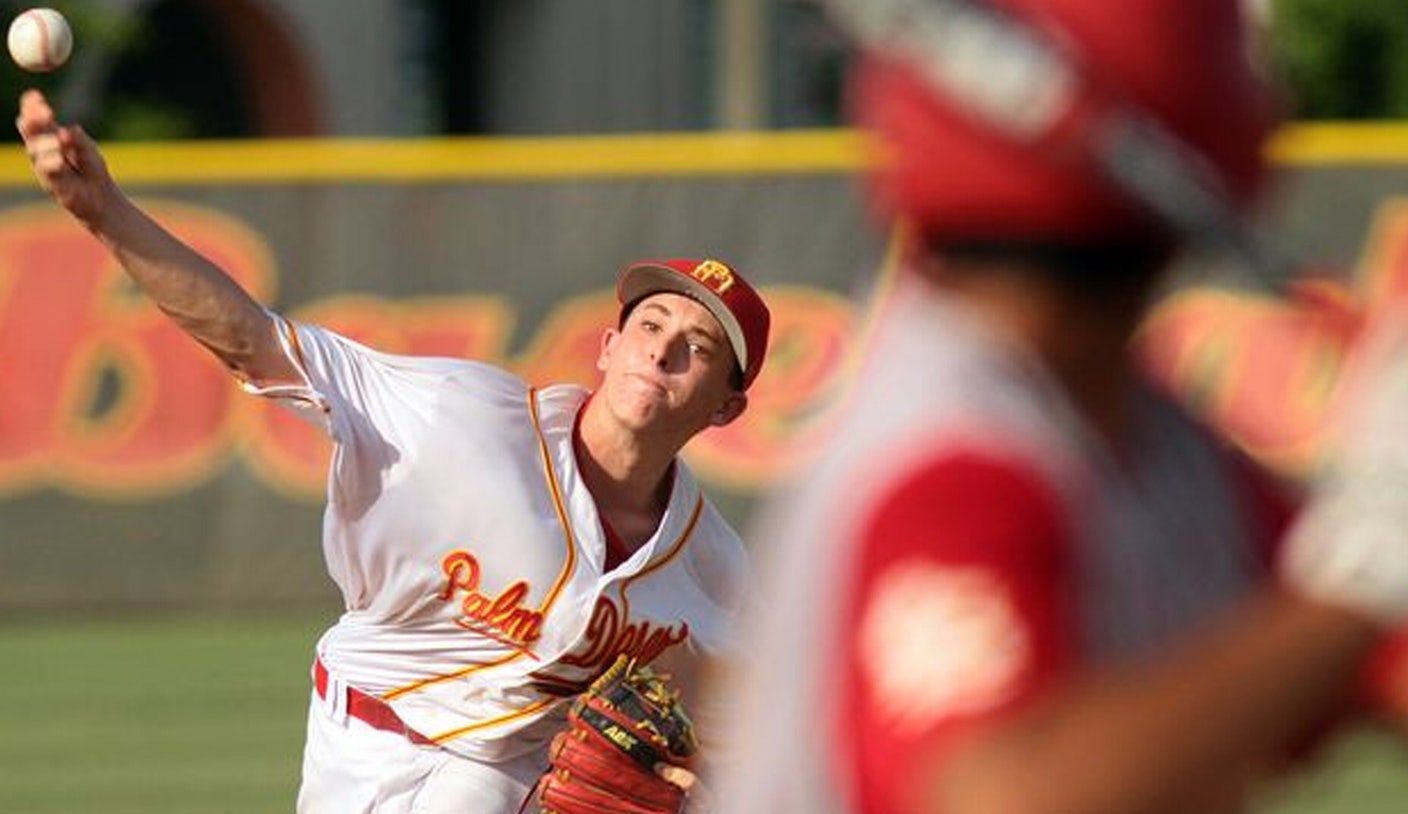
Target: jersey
x,y
966,541
469,553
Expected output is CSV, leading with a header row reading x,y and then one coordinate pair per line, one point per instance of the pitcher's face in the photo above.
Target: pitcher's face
x,y
669,362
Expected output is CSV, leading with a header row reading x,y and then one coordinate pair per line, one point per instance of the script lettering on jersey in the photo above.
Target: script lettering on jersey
x,y
502,617
609,634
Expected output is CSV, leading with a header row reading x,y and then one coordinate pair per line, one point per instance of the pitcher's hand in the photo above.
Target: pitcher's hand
x,y
66,161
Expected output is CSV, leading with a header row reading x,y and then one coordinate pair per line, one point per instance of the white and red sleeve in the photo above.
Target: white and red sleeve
x,y
959,611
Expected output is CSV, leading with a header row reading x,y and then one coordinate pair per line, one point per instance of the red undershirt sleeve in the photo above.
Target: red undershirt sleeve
x,y
959,610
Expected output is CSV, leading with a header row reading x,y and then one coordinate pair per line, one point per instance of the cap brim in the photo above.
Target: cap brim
x,y
644,279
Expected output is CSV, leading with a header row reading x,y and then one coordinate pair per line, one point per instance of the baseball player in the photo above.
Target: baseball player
x,y
1022,579
497,545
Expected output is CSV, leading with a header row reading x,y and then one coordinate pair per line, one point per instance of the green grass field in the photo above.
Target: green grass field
x,y
194,715
153,716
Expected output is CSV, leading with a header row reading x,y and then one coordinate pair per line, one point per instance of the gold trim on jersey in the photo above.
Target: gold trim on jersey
x,y
426,682
559,504
570,564
663,561
488,722
296,344
562,517
675,549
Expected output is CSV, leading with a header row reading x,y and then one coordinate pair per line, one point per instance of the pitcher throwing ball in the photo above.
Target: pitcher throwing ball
x,y
497,545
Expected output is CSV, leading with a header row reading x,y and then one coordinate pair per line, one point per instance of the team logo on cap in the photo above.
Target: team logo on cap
x,y
714,274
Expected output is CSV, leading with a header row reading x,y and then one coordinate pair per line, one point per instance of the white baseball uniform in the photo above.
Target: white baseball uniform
x,y
965,544
472,562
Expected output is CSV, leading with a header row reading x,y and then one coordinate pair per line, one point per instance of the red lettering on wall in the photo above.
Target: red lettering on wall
x,y
1266,370
1263,371
1384,270
102,395
784,423
568,342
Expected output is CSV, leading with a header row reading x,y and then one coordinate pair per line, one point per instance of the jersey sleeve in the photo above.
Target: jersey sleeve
x,y
349,389
356,389
378,408
959,612
301,398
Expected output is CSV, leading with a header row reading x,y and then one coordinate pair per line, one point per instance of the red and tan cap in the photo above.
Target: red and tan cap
x,y
717,286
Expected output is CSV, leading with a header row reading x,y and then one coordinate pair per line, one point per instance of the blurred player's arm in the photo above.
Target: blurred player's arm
x,y
198,296
974,698
1207,715
1187,731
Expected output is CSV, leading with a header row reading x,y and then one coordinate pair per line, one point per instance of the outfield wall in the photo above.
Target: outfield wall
x,y
133,472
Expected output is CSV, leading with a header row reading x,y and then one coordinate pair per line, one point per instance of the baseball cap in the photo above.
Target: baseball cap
x,y
1184,64
718,287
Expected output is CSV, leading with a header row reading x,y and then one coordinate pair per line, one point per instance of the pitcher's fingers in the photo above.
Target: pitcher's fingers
x,y
34,98
77,147
50,160
36,116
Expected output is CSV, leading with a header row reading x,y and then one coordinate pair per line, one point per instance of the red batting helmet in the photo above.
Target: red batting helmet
x,y
1183,63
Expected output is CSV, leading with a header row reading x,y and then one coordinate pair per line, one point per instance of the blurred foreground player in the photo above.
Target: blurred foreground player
x,y
1022,580
497,545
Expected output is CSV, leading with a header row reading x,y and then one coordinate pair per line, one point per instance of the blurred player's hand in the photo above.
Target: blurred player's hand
x,y
66,161
1350,546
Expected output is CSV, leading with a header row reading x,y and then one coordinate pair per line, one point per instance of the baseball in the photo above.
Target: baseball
x,y
40,40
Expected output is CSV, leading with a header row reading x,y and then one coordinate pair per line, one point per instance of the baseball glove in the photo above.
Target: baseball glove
x,y
625,724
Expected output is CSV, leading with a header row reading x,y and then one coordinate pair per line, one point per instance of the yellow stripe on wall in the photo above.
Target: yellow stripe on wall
x,y
548,158
1339,143
451,159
